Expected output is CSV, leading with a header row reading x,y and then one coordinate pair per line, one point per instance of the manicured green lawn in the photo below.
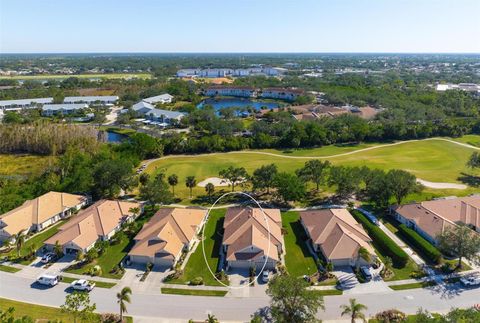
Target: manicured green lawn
x,y
413,285
298,260
194,292
9,269
108,260
36,241
329,292
98,284
38,312
196,266
14,164
433,160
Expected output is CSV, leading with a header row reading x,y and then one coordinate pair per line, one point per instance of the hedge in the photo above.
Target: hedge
x,y
383,242
424,247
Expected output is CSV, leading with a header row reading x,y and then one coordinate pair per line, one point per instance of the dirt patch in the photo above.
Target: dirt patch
x,y
441,185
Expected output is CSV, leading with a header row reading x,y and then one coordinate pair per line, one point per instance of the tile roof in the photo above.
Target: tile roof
x,y
244,227
337,232
39,210
96,221
166,233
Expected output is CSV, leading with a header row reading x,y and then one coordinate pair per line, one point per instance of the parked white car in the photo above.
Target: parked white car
x,y
48,279
82,285
265,276
366,272
470,281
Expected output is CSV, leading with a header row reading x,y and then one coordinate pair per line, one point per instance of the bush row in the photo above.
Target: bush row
x,y
383,242
426,248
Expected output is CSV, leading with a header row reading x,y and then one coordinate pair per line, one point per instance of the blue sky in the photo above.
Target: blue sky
x,y
239,26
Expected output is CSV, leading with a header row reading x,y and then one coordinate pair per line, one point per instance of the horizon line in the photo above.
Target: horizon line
x,y
234,52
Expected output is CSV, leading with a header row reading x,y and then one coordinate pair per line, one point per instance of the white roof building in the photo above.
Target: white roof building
x,y
63,108
23,103
91,99
162,98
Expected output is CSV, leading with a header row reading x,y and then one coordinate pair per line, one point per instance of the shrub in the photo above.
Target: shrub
x,y
109,318
196,281
383,242
425,247
391,316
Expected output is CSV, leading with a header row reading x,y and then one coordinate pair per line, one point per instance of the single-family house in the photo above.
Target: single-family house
x,y
63,108
99,222
431,218
163,238
252,237
337,236
37,214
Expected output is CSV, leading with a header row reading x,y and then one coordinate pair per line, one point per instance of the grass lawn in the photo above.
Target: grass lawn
x,y
36,241
196,266
58,76
98,284
39,313
9,269
108,260
329,292
413,285
14,164
432,160
299,261
194,292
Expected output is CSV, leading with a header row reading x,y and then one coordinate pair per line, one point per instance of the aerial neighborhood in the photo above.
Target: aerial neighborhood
x,y
174,189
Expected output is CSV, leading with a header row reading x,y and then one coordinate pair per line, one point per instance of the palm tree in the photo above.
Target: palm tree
x,y
354,310
211,319
19,241
135,211
363,254
209,188
122,298
173,180
57,249
190,182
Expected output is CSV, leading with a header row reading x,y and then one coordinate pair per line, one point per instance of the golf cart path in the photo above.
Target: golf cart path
x,y
435,185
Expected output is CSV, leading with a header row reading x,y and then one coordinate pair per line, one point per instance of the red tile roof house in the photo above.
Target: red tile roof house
x,y
431,218
246,241
99,222
166,235
37,214
337,236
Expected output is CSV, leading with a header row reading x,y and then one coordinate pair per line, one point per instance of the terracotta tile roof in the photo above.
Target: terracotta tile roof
x,y
39,210
167,232
434,216
96,221
247,227
337,232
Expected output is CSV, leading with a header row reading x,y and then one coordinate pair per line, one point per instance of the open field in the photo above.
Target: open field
x,y
23,164
435,160
59,76
298,259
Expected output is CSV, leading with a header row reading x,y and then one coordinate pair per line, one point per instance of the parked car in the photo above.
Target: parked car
x,y
48,279
48,257
82,285
366,273
265,276
470,281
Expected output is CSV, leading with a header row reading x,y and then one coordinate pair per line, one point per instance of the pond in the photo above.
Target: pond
x,y
219,104
114,137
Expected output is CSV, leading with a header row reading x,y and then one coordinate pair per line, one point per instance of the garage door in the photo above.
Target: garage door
x,y
240,264
163,262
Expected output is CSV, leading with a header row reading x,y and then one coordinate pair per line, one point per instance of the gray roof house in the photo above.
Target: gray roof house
x,y
150,112
105,99
62,108
23,103
162,98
